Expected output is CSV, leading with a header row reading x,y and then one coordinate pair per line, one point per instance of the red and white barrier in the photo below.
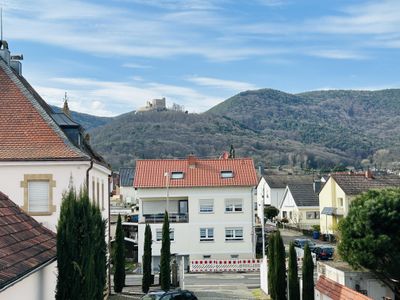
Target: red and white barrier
x,y
225,265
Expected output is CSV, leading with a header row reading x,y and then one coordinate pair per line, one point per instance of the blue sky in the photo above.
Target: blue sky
x,y
112,56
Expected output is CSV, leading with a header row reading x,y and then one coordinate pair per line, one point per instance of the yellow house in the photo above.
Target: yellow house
x,y
341,188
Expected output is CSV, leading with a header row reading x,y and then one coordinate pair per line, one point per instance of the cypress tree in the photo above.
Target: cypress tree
x,y
280,268
165,267
81,249
308,275
119,258
146,279
271,266
294,287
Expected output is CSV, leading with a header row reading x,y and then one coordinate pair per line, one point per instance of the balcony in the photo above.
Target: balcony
x,y
159,218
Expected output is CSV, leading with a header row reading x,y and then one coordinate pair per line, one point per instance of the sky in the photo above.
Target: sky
x,y
112,56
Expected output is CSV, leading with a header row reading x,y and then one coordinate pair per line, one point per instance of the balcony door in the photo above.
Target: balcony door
x,y
183,207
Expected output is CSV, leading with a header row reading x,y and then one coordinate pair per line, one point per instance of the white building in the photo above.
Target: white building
x,y
361,281
209,203
43,152
126,190
271,188
27,256
300,205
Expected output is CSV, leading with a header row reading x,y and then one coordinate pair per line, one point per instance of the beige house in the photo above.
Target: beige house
x,y
341,188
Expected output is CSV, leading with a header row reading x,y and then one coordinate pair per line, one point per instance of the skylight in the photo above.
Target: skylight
x,y
177,175
226,174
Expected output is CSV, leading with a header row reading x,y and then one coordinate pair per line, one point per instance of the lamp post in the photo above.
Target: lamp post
x,y
166,174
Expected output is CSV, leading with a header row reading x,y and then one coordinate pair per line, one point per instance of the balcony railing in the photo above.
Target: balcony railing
x,y
159,218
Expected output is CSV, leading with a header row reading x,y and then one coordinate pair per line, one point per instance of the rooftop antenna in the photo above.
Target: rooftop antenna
x,y
1,21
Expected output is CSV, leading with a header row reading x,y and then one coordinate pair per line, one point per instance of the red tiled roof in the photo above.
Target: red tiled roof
x,y
24,244
27,132
207,172
336,291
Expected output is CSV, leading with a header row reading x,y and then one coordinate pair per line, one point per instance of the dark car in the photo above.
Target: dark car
x,y
170,295
323,252
301,243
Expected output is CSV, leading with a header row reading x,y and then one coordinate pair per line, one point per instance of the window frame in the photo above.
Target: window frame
x,y
235,236
227,174
171,235
207,237
234,205
206,211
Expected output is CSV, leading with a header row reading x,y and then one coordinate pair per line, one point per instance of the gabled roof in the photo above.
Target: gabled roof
x,y
281,181
354,184
336,291
30,130
25,245
204,173
303,194
126,176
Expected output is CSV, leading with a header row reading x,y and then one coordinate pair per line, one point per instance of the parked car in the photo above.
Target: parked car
x,y
170,295
301,243
323,252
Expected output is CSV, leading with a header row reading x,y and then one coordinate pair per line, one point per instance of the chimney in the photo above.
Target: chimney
x,y
225,155
192,161
368,174
317,186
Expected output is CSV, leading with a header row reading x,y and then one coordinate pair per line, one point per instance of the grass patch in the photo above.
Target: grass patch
x,y
259,294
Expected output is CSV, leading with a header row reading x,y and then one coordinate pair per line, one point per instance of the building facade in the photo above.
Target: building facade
x,y
210,206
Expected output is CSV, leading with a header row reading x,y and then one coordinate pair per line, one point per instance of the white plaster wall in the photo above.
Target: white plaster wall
x,y
128,192
261,197
187,235
40,285
12,173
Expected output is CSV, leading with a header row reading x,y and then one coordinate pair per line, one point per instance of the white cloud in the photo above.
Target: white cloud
x,y
235,86
338,54
136,66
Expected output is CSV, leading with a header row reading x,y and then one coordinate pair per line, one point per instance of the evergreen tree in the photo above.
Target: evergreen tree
x,y
119,258
271,266
146,279
294,288
81,249
308,275
280,267
165,267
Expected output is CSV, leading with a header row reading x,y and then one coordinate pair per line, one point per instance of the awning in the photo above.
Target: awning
x,y
330,211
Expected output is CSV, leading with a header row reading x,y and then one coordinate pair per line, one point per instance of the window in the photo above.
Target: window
x,y
159,234
234,234
177,175
206,256
206,234
98,193
206,206
290,215
226,174
93,191
234,255
38,196
340,202
233,205
312,215
284,214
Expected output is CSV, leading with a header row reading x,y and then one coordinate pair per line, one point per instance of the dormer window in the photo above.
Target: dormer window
x,y
177,175
226,174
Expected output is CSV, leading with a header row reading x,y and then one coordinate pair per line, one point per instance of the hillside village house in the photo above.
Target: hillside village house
x,y
271,188
209,202
126,190
300,205
27,255
42,152
341,188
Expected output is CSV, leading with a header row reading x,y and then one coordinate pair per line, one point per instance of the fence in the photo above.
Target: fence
x,y
225,265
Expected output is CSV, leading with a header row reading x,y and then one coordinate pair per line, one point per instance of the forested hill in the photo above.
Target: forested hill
x,y
313,129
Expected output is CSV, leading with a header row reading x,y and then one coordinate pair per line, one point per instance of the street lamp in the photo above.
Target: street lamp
x,y
166,174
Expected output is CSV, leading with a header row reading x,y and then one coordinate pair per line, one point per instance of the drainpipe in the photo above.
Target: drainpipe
x,y
109,235
87,175
253,229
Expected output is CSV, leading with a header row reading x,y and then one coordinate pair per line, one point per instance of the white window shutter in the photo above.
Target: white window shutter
x,y
38,195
